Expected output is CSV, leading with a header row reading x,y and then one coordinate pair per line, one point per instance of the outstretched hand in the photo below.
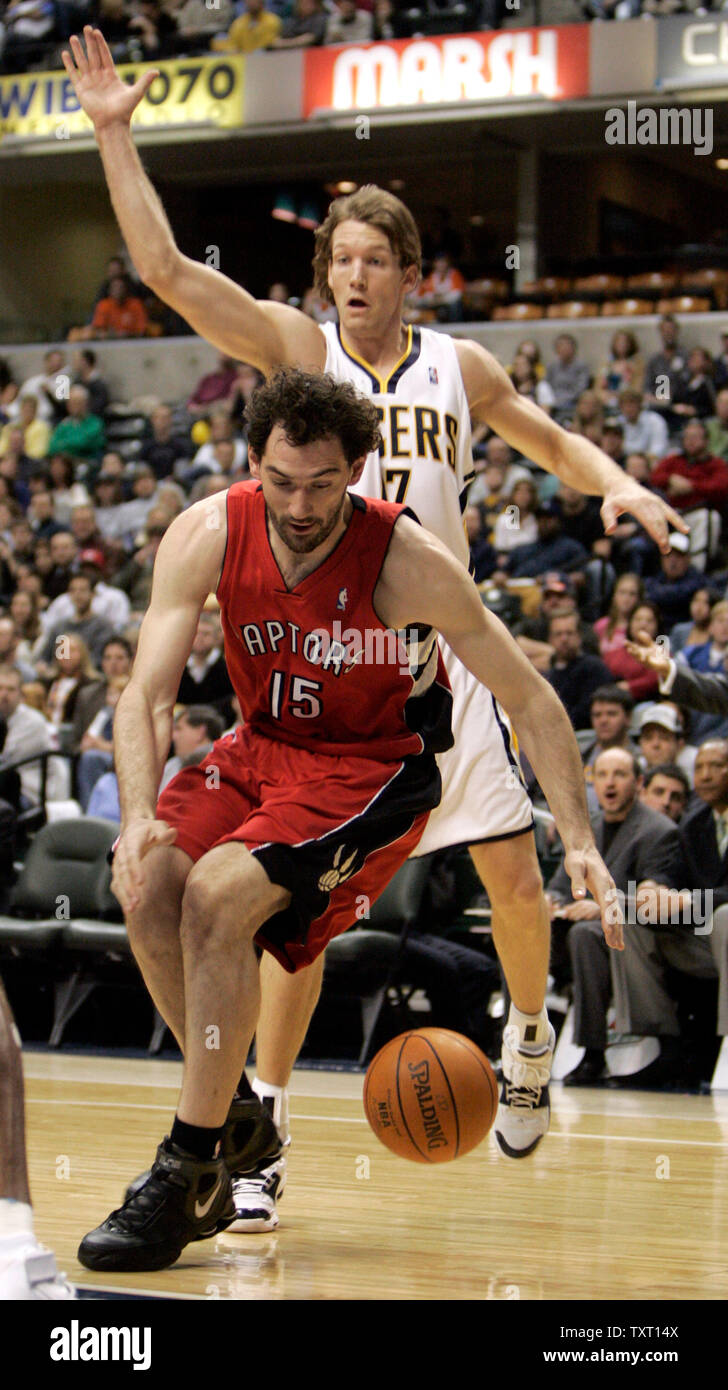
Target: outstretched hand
x,y
587,870
106,99
650,654
652,512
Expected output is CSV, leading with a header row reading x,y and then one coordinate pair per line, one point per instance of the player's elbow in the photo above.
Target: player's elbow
x,y
161,268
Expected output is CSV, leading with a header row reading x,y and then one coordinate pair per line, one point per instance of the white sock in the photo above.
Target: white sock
x,y
533,1029
280,1105
16,1219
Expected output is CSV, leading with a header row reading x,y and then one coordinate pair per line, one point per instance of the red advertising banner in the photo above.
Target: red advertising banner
x,y
552,64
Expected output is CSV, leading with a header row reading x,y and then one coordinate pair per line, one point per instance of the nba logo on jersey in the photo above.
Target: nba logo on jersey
x,y
432,373
342,600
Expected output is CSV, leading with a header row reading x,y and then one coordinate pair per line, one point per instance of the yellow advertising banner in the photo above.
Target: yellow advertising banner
x,y
188,91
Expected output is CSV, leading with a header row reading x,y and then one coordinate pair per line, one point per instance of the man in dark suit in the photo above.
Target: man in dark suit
x,y
703,691
205,679
689,929
641,848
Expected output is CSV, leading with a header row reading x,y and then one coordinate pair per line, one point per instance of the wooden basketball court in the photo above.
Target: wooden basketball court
x,y
626,1199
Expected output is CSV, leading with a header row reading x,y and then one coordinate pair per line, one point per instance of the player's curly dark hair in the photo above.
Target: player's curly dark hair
x,y
380,209
310,406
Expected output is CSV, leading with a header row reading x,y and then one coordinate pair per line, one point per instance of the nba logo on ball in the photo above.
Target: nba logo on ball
x,y
430,1095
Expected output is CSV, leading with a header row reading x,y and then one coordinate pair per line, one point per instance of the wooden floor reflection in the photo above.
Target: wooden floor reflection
x,y
626,1199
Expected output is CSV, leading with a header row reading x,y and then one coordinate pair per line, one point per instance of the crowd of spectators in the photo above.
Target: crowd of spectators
x,y
82,513
33,32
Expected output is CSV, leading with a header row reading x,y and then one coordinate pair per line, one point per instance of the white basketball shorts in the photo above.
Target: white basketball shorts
x,y
483,793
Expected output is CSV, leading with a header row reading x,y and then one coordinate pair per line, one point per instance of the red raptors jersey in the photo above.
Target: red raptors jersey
x,y
314,665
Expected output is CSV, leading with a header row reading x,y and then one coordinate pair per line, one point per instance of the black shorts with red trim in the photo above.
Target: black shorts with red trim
x,y
331,830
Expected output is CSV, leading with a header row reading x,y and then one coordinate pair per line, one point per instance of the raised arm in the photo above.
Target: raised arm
x,y
493,398
266,335
186,570
446,598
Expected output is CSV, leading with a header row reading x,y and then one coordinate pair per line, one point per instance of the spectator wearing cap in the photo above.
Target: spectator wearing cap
x,y
661,738
625,668
552,551
532,634
573,673
81,433
567,376
107,602
645,432
696,483
164,449
672,589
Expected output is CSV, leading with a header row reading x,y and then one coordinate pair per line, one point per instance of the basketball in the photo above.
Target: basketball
x,y
430,1095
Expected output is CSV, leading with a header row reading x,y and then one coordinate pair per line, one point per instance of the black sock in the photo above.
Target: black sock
x,y
245,1090
195,1139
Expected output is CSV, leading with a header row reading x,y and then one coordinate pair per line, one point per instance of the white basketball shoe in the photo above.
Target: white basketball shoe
x,y
524,1110
28,1271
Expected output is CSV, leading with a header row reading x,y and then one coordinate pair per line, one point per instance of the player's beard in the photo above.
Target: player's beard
x,y
304,544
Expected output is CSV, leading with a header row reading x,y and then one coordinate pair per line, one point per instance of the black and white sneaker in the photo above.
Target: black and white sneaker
x,y
524,1111
183,1199
257,1194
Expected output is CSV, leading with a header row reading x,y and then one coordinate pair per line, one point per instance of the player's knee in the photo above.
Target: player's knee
x,y
211,912
519,893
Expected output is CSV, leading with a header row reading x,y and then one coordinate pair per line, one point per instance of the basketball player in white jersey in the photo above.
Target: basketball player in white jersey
x,y
428,385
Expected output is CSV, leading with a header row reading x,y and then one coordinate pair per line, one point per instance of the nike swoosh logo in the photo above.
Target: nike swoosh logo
x,y
202,1208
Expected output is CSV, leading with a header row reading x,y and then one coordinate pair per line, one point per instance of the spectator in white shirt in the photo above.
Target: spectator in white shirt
x,y
28,734
645,432
50,387
107,602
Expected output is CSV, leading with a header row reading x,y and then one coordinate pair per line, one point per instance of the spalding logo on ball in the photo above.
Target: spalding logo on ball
x,y
430,1095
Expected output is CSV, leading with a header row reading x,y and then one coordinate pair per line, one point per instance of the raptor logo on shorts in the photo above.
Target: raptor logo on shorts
x,y
339,873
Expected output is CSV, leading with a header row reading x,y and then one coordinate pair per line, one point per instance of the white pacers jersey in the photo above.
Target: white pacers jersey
x,y
427,464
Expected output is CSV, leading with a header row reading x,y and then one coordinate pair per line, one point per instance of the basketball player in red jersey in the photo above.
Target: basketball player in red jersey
x,y
372,262
323,792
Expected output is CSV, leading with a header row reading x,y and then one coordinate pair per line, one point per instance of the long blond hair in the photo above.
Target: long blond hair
x,y
381,210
